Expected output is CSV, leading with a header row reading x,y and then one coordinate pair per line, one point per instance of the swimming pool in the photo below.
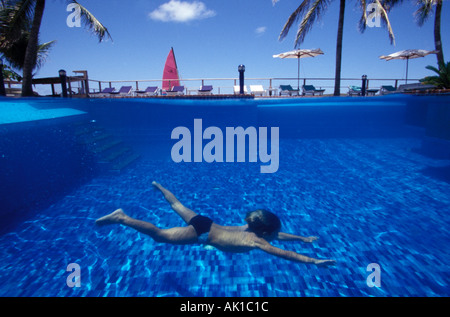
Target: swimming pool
x,y
350,171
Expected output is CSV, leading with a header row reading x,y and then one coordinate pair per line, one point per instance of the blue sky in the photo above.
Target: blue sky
x,y
212,37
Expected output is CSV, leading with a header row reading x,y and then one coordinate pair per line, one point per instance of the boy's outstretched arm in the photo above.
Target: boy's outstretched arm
x,y
292,237
290,255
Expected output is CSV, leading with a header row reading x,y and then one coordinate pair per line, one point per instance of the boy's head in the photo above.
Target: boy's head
x,y
263,223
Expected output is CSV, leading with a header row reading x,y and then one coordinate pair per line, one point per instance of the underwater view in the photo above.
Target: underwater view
x,y
362,175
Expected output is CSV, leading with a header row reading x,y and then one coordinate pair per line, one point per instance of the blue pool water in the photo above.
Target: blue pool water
x,y
369,199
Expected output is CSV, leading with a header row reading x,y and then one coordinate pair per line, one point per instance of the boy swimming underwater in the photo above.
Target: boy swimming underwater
x,y
262,226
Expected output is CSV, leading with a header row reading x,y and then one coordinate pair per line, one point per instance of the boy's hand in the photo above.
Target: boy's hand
x,y
324,263
310,239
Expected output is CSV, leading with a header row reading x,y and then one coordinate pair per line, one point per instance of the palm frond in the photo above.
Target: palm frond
x,y
15,53
363,20
310,17
92,23
442,80
424,11
434,69
15,16
385,19
21,11
11,74
43,51
294,18
384,7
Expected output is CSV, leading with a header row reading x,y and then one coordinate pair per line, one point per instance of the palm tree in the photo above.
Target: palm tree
x,y
30,12
442,80
422,14
14,53
14,40
10,74
310,10
13,47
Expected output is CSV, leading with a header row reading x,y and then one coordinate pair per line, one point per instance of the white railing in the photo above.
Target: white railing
x,y
221,86
226,85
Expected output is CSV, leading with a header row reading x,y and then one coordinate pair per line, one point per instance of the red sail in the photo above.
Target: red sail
x,y
170,74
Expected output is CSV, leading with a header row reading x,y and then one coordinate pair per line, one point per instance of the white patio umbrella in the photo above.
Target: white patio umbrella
x,y
407,54
300,53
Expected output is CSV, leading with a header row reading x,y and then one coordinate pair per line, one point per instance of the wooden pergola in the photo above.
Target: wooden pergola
x,y
83,78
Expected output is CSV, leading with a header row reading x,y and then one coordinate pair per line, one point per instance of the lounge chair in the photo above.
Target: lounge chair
x,y
105,92
149,91
371,92
176,90
354,90
415,87
237,90
123,91
287,89
311,90
205,90
257,90
384,90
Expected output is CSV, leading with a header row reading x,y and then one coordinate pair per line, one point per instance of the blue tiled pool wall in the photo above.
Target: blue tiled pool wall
x,y
386,116
141,121
436,143
38,164
438,117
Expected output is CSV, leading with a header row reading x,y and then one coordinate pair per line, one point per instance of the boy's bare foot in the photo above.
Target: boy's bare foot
x,y
114,217
157,185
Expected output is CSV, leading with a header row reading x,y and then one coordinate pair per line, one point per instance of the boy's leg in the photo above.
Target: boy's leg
x,y
176,235
184,212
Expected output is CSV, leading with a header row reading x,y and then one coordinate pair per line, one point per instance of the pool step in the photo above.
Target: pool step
x,y
110,151
85,127
128,160
106,144
116,153
94,137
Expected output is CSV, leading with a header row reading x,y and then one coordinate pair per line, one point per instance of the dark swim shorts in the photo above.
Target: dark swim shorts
x,y
201,224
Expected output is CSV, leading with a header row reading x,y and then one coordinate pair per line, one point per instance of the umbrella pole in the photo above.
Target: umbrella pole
x,y
298,76
407,62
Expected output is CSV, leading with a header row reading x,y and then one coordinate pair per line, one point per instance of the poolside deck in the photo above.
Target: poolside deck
x,y
202,97
78,85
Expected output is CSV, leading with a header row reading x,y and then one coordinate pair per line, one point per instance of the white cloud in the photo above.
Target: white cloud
x,y
260,30
181,11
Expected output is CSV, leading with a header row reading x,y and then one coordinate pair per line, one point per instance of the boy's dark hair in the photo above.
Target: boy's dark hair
x,y
263,223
